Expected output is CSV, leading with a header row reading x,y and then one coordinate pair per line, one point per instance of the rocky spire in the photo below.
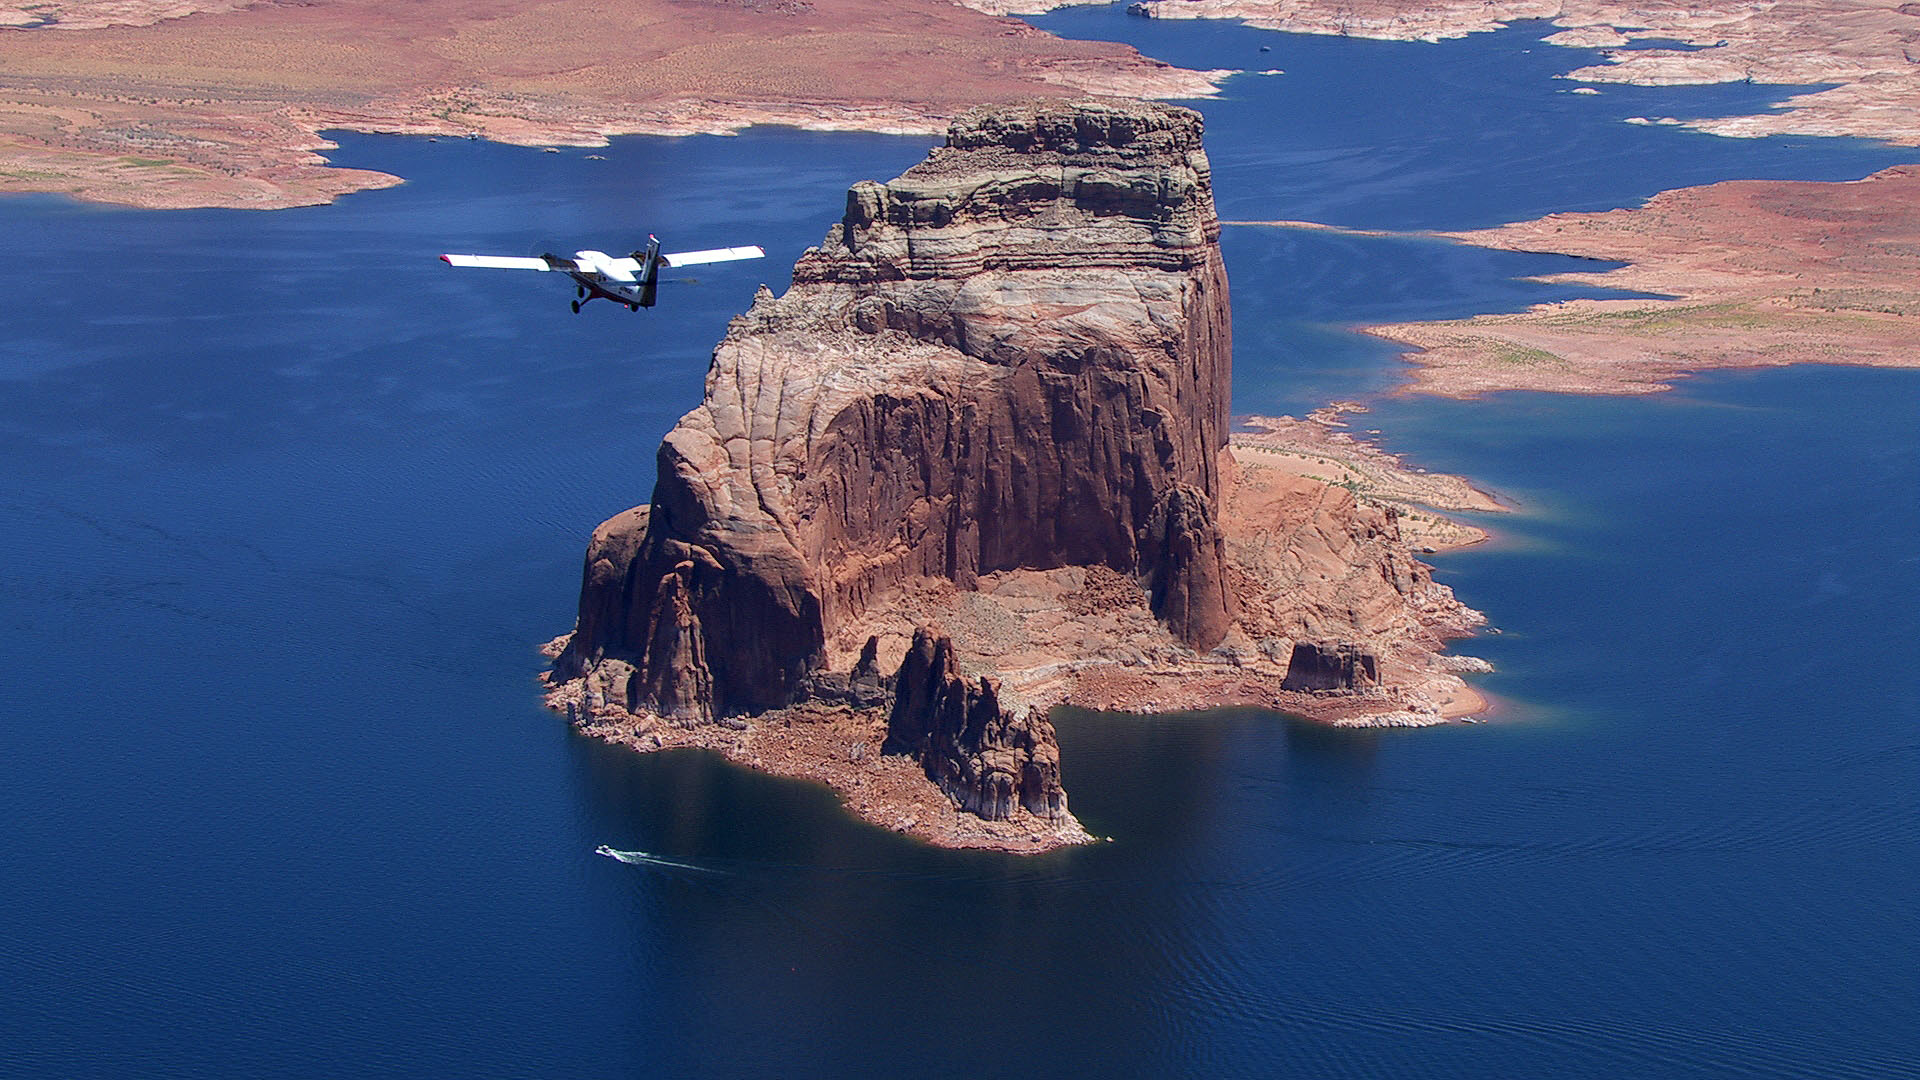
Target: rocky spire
x,y
986,759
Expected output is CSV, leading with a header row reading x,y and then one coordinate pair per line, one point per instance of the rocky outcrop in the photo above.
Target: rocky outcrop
x,y
987,760
672,678
995,400
1015,355
865,687
1186,551
1321,666
606,586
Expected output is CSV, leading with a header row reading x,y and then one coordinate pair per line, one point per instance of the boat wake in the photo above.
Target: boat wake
x,y
645,858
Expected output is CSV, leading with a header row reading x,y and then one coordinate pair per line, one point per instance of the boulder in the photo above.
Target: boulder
x,y
1321,667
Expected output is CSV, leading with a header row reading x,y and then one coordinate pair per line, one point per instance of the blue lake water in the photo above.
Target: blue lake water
x,y
288,504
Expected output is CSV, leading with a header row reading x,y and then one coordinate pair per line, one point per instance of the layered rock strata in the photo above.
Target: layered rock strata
x,y
994,400
1016,355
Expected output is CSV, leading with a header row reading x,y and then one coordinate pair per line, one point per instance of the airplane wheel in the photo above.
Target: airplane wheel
x,y
576,307
580,291
633,307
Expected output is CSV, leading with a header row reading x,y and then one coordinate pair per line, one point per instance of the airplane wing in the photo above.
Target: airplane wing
x,y
604,268
711,255
508,262
693,258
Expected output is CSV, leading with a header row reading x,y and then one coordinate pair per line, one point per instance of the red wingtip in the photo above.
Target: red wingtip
x,y
446,260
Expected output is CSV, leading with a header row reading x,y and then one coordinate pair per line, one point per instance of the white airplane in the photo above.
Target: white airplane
x,y
632,281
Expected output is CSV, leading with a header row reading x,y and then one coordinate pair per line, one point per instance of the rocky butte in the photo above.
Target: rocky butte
x,y
975,463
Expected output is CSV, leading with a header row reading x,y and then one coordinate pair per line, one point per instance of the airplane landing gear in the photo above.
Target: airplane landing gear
x,y
580,291
633,307
576,307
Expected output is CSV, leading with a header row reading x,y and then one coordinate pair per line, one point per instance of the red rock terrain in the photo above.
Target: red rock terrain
x,y
176,103
1014,356
1870,49
995,401
1757,273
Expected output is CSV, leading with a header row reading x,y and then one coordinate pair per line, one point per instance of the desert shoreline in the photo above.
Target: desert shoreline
x,y
838,749
839,746
171,104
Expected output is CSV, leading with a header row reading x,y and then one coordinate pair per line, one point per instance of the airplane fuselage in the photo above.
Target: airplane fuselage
x,y
598,287
599,277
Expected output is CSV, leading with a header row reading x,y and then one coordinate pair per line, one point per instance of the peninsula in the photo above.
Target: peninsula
x,y
1748,273
1858,59
187,103
975,463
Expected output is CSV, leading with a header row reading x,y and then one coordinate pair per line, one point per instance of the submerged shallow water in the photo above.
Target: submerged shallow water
x,y
288,507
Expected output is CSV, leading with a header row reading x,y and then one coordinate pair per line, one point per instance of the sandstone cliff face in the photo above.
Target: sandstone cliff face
x,y
996,400
673,678
1015,355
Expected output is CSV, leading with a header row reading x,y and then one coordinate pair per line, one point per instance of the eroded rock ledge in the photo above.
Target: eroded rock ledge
x,y
995,402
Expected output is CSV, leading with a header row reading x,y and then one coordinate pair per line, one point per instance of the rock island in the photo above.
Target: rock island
x,y
976,462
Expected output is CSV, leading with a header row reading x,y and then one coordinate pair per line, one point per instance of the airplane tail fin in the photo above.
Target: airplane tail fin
x,y
649,270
